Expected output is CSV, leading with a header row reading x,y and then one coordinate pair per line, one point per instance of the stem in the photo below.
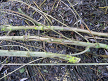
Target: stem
x,y
8,27
38,54
54,40
42,64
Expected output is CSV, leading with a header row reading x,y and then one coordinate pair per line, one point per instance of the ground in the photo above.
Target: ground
x,y
92,12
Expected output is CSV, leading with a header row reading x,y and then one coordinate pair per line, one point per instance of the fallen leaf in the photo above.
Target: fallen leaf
x,y
23,79
22,70
82,26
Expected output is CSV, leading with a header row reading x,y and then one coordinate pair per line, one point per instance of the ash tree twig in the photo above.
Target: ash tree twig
x,y
16,53
60,28
54,40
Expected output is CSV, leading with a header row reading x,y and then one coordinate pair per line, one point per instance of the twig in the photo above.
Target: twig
x,y
54,40
8,27
38,54
82,52
49,64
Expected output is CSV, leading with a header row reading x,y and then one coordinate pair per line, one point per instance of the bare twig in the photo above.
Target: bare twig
x,y
8,28
54,40
38,54
42,64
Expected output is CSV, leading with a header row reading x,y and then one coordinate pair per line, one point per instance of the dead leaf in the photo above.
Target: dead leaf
x,y
82,26
23,79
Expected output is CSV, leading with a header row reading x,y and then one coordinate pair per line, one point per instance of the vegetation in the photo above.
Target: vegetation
x,y
78,37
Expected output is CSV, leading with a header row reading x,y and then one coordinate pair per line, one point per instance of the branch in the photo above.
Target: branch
x,y
38,54
54,40
8,28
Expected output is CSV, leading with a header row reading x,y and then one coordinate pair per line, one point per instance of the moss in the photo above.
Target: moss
x,y
10,29
106,46
35,28
71,59
41,28
39,24
87,42
3,29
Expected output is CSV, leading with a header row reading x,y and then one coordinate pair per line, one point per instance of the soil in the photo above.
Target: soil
x,y
92,14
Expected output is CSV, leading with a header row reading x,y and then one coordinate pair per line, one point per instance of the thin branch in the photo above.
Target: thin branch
x,y
16,53
9,27
82,52
49,64
54,40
